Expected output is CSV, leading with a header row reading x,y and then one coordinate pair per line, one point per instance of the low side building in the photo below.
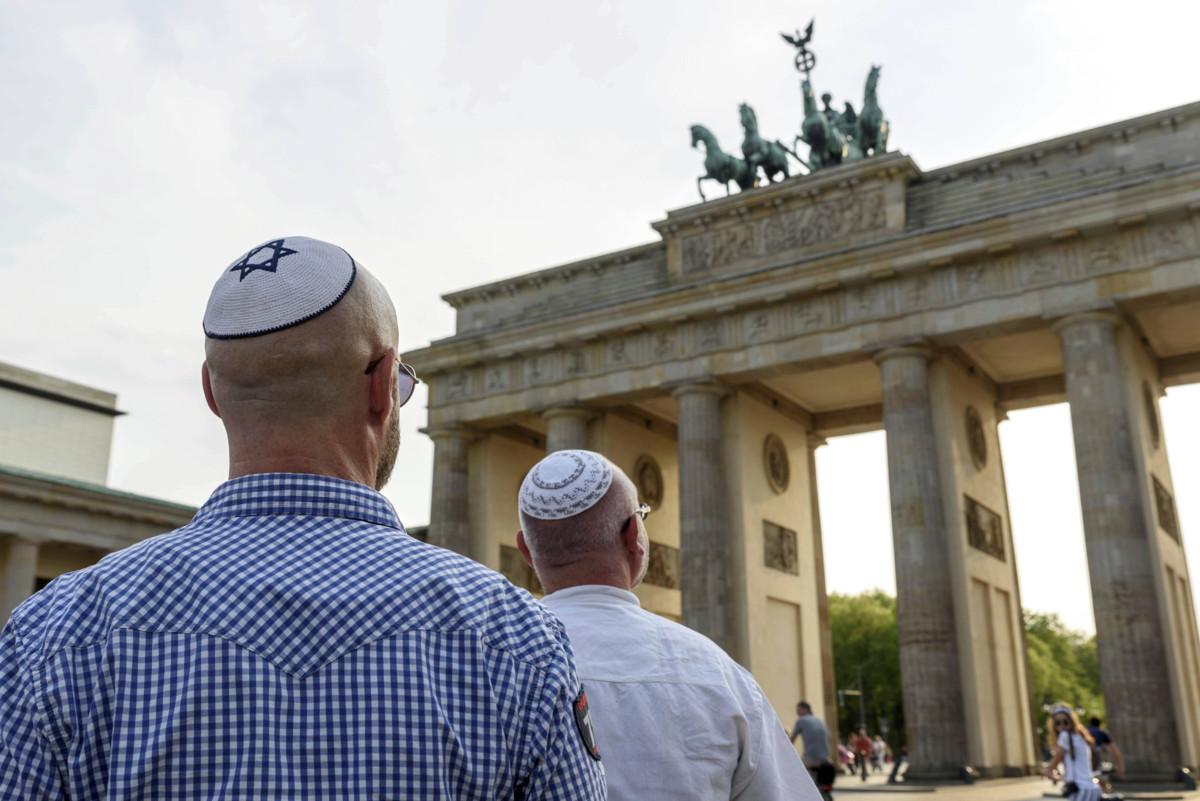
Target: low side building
x,y
57,513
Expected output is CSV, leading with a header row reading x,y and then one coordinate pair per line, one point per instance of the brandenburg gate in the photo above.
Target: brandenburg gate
x,y
712,362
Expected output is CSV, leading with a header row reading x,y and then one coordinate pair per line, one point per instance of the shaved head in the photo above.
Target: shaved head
x,y
307,386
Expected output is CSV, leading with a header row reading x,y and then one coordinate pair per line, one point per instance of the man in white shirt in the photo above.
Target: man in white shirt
x,y
674,716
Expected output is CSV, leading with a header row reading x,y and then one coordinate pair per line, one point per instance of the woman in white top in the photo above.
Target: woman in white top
x,y
1072,747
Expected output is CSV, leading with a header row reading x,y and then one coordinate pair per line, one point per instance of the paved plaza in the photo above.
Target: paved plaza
x,y
1023,789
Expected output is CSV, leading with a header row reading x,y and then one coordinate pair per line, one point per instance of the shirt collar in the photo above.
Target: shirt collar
x,y
596,593
270,494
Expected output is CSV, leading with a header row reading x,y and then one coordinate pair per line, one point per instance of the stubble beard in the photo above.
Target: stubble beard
x,y
391,447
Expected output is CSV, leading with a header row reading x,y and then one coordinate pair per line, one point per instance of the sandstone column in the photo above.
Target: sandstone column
x,y
566,428
1129,630
449,522
828,678
929,669
20,573
703,523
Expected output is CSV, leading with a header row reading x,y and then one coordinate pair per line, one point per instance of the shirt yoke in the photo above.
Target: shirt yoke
x,y
298,591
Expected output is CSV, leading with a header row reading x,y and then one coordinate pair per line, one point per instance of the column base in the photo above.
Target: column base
x,y
941,774
1157,780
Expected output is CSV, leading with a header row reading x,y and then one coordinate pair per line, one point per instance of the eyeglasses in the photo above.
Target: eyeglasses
x,y
1061,724
642,512
406,379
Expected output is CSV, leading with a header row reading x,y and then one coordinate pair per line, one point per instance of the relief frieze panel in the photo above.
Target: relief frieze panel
x,y
758,326
811,225
833,307
664,345
575,363
1099,255
921,291
1045,265
1172,240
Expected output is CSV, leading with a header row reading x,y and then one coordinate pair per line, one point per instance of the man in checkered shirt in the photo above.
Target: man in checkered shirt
x,y
292,641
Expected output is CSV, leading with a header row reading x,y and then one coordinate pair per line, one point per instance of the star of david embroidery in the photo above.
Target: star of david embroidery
x,y
245,266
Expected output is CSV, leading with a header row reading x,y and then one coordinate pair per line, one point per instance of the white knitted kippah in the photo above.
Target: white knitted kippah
x,y
277,285
564,484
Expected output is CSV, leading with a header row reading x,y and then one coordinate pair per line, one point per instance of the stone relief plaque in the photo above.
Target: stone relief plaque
x,y
496,378
775,464
708,335
664,344
456,386
513,568
647,477
534,370
779,548
663,570
809,225
976,439
810,314
1103,254
758,326
1164,504
1042,265
1173,240
985,528
1151,415
617,355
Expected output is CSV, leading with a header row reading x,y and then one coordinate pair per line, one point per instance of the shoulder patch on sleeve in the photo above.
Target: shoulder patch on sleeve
x,y
583,722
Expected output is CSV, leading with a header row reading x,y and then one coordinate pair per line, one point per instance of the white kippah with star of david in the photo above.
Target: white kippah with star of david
x,y
564,484
277,285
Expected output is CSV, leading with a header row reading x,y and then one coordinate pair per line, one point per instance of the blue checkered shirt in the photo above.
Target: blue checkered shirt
x,y
291,642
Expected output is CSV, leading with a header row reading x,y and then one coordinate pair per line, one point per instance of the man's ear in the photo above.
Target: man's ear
x,y
382,388
208,392
630,537
523,547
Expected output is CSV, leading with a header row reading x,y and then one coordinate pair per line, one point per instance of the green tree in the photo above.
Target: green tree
x,y
1063,666
863,629
1062,663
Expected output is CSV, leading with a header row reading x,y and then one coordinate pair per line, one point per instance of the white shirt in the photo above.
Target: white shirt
x,y
674,716
1076,769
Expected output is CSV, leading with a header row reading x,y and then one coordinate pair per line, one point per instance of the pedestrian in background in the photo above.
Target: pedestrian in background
x,y
878,752
900,758
1106,748
815,738
862,747
1071,750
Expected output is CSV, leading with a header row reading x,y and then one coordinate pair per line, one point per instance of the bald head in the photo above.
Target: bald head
x,y
303,399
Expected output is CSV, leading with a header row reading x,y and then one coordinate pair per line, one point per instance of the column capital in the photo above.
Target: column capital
x,y
576,412
815,440
1100,317
707,386
903,351
449,432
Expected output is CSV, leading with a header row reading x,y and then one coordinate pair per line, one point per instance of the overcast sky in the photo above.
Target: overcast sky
x,y
147,145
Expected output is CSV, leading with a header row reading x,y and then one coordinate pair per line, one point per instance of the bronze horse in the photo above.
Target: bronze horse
x,y
720,166
759,152
827,146
872,125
